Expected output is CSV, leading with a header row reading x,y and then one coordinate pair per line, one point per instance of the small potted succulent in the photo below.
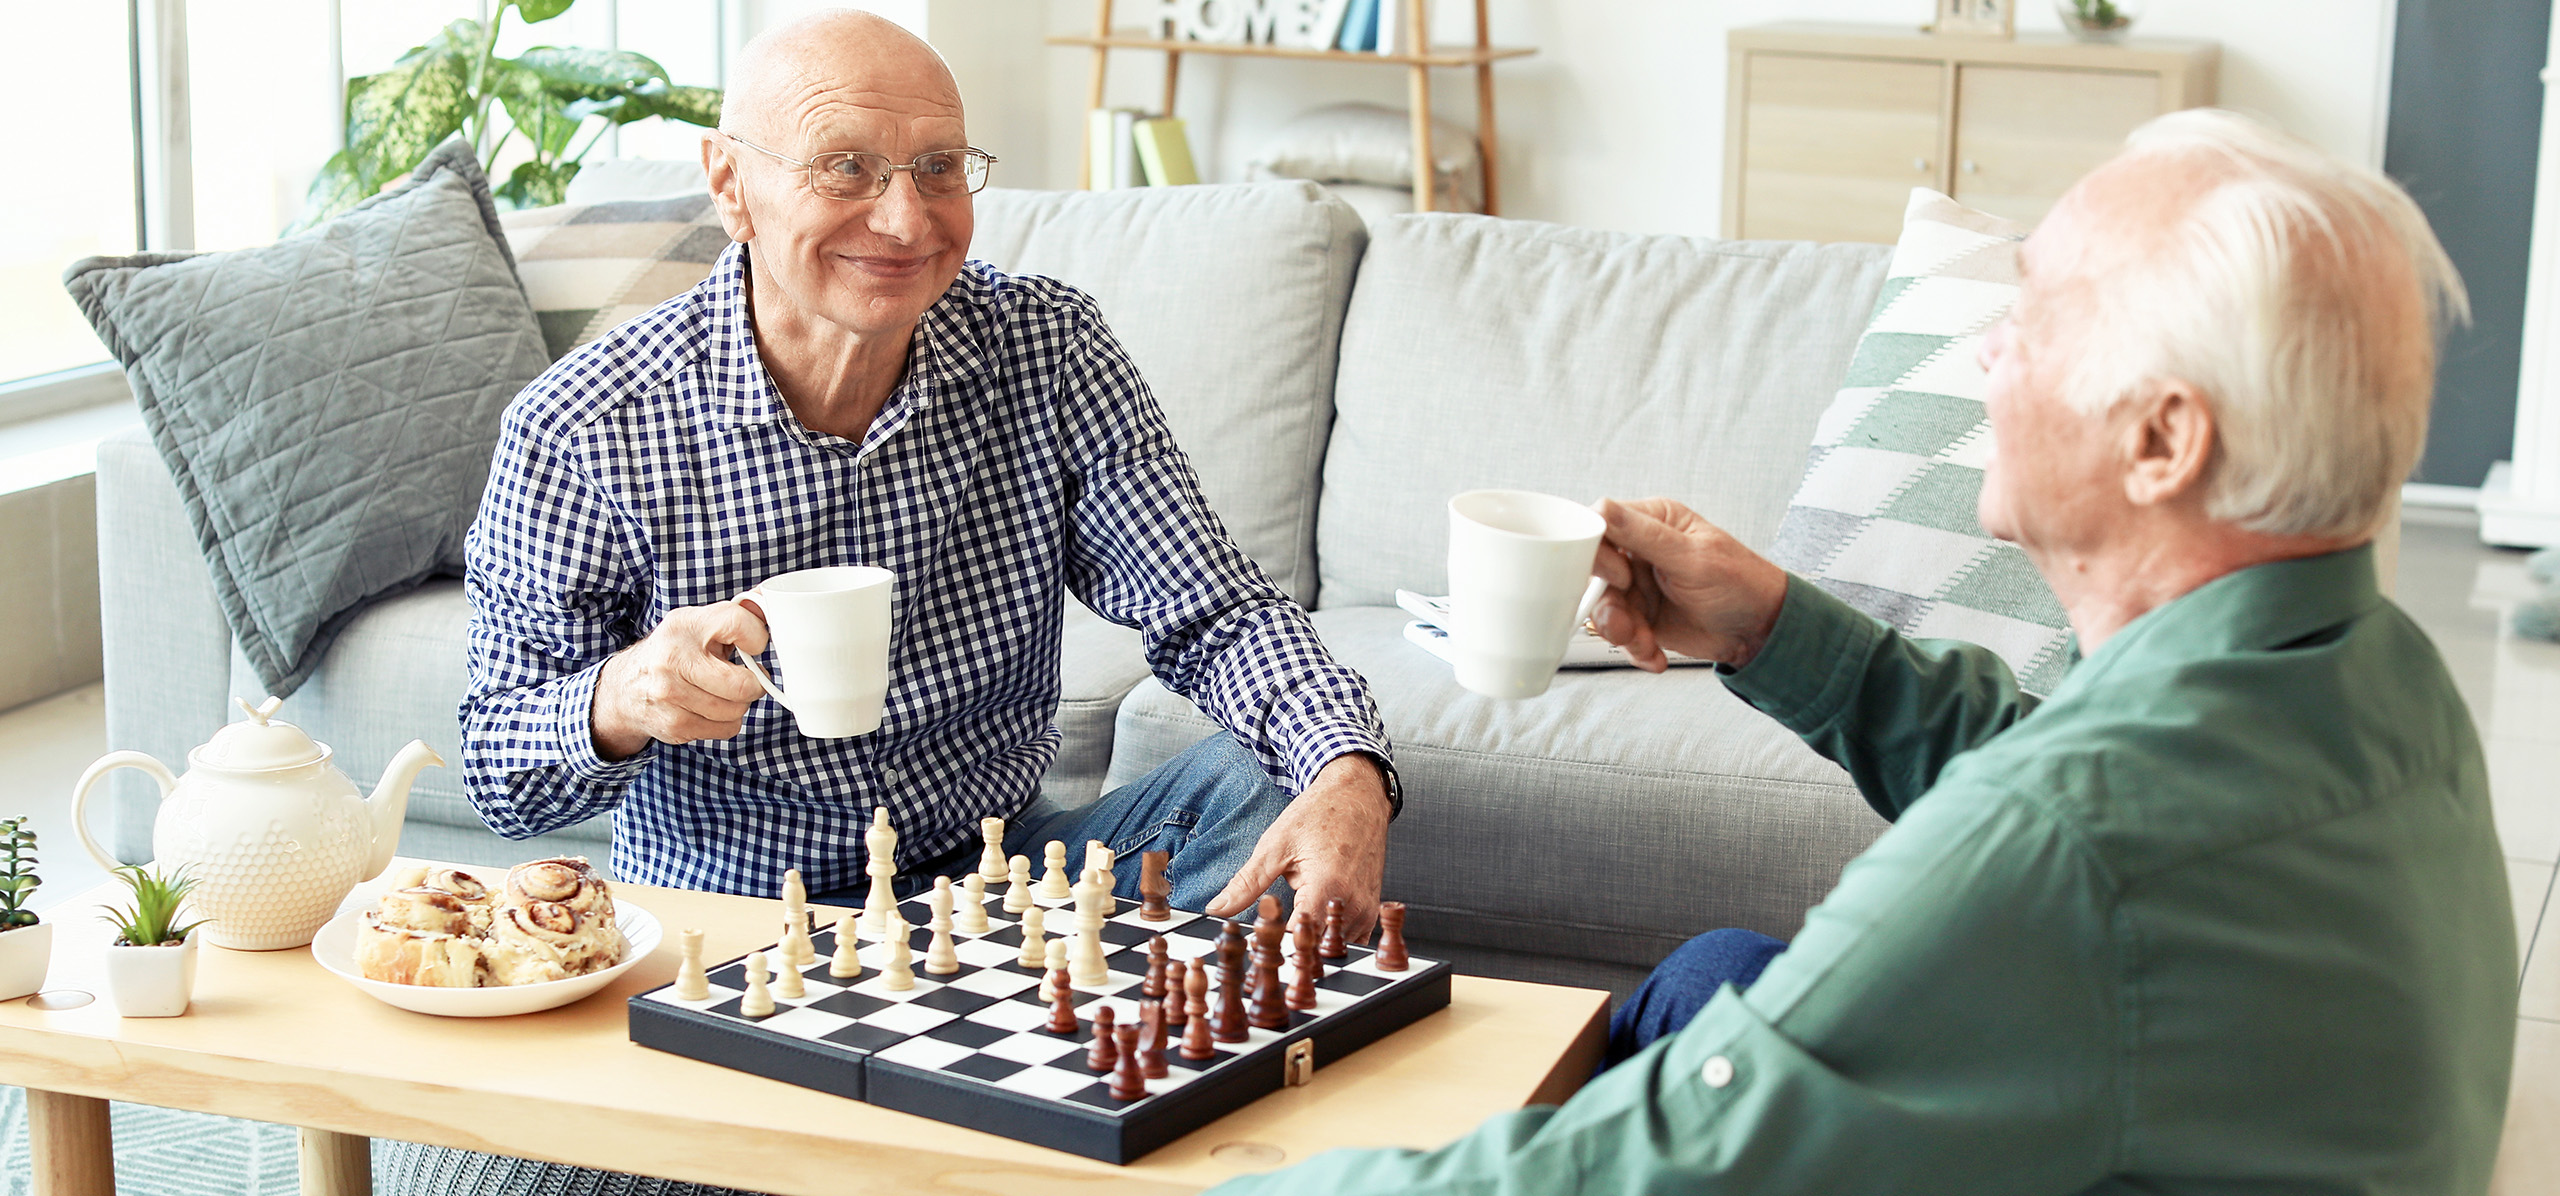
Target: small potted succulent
x,y
2098,20
151,967
26,942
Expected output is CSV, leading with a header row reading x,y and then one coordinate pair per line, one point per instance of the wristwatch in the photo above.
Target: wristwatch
x,y
1395,786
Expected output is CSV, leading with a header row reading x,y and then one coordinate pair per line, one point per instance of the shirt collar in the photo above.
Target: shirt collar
x,y
2250,610
948,351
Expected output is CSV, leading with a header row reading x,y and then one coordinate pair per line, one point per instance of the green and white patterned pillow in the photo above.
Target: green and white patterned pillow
x,y
1885,515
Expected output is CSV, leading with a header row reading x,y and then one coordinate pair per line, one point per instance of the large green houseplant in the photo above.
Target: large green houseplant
x,y
457,83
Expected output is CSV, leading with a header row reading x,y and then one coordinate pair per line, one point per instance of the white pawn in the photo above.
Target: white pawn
x,y
759,1000
991,861
1018,897
899,973
1033,955
972,915
941,957
1054,885
692,983
1085,964
846,965
787,985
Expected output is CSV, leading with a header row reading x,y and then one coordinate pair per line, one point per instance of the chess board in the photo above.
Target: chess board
x,y
974,1049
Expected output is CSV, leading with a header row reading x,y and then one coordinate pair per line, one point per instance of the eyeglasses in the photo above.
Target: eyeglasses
x,y
855,175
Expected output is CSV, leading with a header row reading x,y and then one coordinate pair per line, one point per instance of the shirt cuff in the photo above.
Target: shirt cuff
x,y
574,704
1807,670
1317,747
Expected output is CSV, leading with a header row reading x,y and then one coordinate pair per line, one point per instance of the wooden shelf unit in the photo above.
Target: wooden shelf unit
x,y
1828,127
1481,56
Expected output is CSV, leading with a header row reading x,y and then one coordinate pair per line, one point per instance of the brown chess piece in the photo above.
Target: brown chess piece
x,y
1266,937
1196,1045
1391,956
1155,893
1104,1054
1333,947
1130,1082
1302,988
1151,1040
1062,997
1270,997
1153,986
1230,1026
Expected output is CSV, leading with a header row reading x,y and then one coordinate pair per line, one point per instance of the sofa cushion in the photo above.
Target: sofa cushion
x,y
1099,661
1608,821
1482,352
1230,300
327,404
1885,516
589,267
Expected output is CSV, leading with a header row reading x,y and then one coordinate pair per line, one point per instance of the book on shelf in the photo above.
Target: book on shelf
x,y
1112,136
1164,153
1359,26
1390,39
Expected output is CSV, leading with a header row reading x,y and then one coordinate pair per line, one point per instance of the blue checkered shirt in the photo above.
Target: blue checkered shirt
x,y
1021,458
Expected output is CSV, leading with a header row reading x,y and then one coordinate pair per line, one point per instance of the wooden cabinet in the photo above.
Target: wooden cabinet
x,y
1829,127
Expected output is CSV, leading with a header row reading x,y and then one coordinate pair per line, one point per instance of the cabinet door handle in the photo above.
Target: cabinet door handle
x,y
1972,167
1920,164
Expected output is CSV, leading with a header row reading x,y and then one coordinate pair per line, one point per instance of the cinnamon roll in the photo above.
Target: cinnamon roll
x,y
534,941
551,920
562,880
389,951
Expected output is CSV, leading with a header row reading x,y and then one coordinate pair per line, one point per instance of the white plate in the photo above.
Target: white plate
x,y
335,948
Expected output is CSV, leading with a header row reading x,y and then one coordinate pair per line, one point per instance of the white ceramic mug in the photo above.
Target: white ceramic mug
x,y
1519,583
830,636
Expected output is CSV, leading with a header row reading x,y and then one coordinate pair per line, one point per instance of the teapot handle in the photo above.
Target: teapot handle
x,y
80,796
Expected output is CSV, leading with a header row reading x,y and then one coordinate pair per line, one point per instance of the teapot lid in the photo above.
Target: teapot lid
x,y
259,744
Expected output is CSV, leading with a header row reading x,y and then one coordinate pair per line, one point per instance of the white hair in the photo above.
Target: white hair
x,y
2303,296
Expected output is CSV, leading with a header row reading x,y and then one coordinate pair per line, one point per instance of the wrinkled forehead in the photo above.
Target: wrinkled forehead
x,y
860,98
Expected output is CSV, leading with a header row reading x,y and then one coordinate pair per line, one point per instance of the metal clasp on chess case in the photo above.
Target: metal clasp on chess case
x,y
1298,1067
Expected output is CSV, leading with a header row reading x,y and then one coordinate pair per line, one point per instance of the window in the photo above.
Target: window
x,y
72,186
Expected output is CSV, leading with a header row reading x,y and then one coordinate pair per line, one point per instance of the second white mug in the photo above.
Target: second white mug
x,y
1519,582
829,629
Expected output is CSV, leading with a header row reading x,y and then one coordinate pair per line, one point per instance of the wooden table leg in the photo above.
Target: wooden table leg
x,y
335,1164
74,1147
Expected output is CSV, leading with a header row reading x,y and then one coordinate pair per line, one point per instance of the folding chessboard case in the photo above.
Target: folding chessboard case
x,y
974,1049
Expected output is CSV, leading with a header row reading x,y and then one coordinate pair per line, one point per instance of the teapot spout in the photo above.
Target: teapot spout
x,y
389,804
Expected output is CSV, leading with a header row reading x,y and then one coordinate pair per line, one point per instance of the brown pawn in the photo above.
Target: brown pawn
x,y
1302,988
1270,997
1333,947
1062,1002
1151,1040
1391,956
1153,986
1266,937
1103,1055
1155,893
1196,1045
1230,1026
1130,1082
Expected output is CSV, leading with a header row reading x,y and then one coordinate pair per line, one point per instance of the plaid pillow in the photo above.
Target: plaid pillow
x,y
588,267
1885,515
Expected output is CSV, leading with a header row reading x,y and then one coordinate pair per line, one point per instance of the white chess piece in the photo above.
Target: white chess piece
x,y
1017,898
692,983
796,949
759,1000
1085,964
881,842
899,973
971,918
991,861
846,965
941,956
1054,885
787,985
1102,857
1033,953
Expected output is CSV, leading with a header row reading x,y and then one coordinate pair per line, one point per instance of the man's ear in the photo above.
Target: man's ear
x,y
2168,436
727,190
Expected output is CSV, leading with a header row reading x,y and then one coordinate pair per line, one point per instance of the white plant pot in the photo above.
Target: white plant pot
x,y
152,981
25,953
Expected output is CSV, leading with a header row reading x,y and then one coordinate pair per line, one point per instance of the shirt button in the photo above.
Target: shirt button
x,y
891,775
1718,1072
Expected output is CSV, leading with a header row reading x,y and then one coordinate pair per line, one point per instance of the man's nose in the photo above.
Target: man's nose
x,y
900,213
1993,344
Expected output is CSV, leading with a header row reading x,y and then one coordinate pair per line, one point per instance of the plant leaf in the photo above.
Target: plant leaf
x,y
538,112
536,12
402,113
594,74
536,184
692,105
340,185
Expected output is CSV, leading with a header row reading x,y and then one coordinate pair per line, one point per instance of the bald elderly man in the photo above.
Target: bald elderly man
x,y
845,388
2225,913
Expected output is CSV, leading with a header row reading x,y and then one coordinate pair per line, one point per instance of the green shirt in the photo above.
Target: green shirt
x,y
2226,913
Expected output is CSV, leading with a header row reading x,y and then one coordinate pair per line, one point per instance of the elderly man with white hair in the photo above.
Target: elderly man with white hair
x,y
2225,912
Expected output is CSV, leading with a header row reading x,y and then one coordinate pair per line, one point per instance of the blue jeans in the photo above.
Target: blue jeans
x,y
1206,807
1682,984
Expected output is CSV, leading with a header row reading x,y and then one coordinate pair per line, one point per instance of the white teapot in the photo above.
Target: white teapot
x,y
274,836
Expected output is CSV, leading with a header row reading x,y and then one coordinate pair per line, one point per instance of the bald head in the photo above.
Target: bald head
x,y
795,77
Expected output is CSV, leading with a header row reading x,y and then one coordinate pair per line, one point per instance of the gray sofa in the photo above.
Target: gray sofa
x,y
1334,384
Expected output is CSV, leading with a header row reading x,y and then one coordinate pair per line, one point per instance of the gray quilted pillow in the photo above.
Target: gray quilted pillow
x,y
328,403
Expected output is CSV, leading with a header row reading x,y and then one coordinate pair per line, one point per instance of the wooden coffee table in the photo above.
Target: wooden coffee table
x,y
272,1037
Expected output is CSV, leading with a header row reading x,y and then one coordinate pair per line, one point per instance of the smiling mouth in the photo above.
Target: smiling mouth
x,y
891,267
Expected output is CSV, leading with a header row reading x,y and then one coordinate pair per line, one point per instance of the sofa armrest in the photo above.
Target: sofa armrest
x,y
168,648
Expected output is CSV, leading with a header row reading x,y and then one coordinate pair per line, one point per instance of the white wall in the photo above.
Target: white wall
x,y
1614,81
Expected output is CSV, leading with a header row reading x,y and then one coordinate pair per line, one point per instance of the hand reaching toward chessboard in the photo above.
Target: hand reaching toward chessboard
x,y
1330,845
